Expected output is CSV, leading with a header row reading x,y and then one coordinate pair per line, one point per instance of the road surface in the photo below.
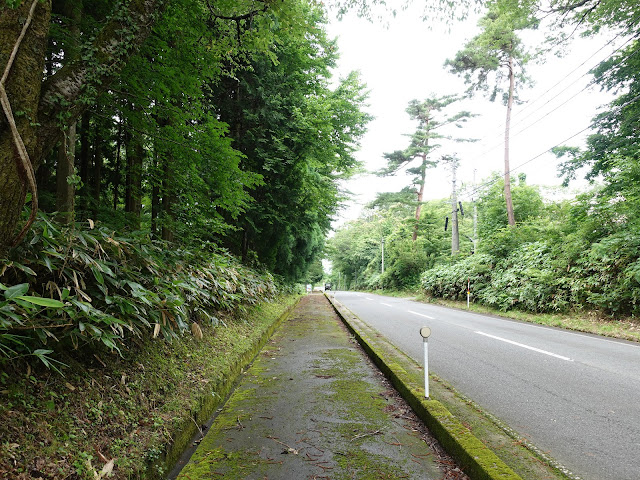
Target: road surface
x,y
573,395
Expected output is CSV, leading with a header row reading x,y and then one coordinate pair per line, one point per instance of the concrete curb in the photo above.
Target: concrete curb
x,y
210,402
475,458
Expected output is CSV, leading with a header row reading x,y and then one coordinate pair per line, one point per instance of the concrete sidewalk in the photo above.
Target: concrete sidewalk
x,y
313,406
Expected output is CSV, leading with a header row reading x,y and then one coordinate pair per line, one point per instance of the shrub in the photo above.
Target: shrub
x,y
82,285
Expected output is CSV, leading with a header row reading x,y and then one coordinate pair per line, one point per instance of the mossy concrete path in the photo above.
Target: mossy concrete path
x,y
312,406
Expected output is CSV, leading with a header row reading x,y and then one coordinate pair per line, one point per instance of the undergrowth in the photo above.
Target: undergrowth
x,y
84,287
112,416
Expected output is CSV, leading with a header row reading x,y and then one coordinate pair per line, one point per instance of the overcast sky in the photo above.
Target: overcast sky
x,y
405,62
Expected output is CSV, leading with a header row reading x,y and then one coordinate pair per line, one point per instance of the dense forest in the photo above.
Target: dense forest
x,y
161,161
515,245
175,159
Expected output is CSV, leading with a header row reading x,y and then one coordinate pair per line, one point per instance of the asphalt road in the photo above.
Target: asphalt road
x,y
575,396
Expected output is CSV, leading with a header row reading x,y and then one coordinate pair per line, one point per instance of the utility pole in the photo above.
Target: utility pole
x,y
455,237
382,244
475,215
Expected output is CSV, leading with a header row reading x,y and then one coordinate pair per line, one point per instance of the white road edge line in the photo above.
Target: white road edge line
x,y
368,298
595,336
421,315
526,346
386,304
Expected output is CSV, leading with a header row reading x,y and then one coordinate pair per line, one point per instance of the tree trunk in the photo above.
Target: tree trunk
x,y
65,190
98,160
156,206
423,176
245,243
133,200
116,168
61,94
507,171
168,199
23,89
83,163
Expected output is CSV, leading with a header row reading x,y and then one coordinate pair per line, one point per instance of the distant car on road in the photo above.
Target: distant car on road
x,y
327,286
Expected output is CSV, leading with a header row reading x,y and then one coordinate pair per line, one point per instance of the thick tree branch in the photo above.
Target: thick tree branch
x,y
66,94
237,18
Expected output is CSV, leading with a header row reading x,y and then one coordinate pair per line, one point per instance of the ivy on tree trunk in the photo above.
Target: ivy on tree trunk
x,y
45,106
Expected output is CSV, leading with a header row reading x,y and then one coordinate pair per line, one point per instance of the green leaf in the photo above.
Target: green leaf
x,y
44,302
42,351
98,276
47,263
85,307
16,290
25,269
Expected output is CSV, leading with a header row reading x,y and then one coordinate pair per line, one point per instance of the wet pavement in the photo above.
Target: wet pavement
x,y
312,406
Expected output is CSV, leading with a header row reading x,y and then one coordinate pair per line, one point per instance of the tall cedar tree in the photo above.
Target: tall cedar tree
x,y
299,135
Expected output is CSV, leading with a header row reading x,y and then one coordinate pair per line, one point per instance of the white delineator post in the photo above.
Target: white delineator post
x,y
425,332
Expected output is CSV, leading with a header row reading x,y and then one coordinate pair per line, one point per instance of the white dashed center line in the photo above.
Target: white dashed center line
x,y
421,315
526,346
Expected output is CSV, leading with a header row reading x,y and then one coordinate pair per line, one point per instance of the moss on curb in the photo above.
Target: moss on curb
x,y
312,406
209,403
478,461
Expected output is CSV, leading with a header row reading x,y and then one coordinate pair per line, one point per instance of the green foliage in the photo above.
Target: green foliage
x,y
484,60
615,137
597,14
299,135
356,249
528,205
450,281
579,256
91,287
406,261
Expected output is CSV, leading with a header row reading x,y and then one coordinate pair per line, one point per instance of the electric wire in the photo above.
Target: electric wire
x,y
479,188
591,83
581,65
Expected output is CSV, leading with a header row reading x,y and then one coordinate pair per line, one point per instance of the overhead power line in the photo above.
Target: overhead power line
x,y
591,83
488,183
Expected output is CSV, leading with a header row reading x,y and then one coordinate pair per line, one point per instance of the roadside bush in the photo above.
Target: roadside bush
x,y
450,281
607,276
542,277
528,279
79,285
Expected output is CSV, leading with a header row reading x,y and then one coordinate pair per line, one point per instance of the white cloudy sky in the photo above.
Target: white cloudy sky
x,y
405,62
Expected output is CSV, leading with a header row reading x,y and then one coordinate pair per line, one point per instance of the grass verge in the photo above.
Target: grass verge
x,y
130,416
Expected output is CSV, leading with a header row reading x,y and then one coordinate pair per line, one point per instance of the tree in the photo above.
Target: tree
x,y
497,51
616,135
356,249
422,144
299,135
112,34
528,205
65,94
595,14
